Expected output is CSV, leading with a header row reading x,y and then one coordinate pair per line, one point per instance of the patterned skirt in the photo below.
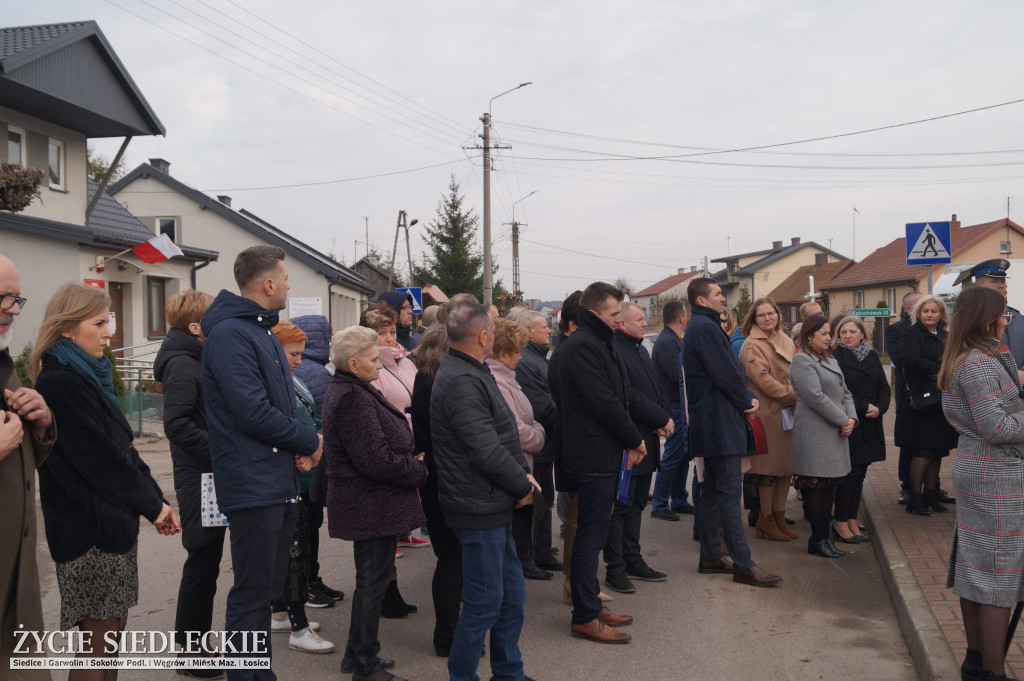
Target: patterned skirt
x,y
986,564
98,585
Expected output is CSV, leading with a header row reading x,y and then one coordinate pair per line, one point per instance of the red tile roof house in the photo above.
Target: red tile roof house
x,y
652,298
793,291
885,276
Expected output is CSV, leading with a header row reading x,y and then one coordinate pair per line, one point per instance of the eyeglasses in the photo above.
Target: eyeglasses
x,y
766,315
9,301
407,306
1007,316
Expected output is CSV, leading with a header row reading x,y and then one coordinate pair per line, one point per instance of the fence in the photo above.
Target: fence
x,y
143,407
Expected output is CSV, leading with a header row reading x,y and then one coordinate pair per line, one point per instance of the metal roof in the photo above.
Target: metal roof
x,y
319,262
68,74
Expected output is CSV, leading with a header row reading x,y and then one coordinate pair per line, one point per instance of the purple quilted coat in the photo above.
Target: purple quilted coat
x,y
371,467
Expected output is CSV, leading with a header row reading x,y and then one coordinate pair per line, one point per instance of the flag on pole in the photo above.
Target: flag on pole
x,y
157,249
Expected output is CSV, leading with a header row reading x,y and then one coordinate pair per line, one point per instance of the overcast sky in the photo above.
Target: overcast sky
x,y
261,94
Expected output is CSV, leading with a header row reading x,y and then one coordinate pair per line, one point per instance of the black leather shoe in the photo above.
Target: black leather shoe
x,y
752,517
348,665
833,546
821,548
931,499
536,573
618,581
664,515
551,563
944,496
645,573
720,566
696,535
852,539
683,510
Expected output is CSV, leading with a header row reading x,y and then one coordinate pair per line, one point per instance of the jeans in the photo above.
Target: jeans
x,y
670,483
374,559
720,499
260,538
622,549
595,499
493,599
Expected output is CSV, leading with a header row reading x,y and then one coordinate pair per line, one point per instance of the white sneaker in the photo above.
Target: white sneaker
x,y
308,641
282,626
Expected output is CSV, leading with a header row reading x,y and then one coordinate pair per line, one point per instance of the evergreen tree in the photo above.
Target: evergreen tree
x,y
452,261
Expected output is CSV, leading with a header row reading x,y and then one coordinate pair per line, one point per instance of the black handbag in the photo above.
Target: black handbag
x,y
925,397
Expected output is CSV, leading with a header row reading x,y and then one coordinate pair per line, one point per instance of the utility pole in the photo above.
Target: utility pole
x,y
367,242
488,286
402,218
515,259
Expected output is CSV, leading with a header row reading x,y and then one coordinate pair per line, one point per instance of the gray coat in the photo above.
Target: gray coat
x,y
824,404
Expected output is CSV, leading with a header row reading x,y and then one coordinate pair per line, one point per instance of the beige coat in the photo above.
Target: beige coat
x,y
766,363
19,574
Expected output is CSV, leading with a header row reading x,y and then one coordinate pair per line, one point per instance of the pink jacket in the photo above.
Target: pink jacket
x,y
396,379
531,433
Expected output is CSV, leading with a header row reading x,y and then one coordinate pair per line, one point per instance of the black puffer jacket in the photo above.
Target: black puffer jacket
x,y
481,470
179,368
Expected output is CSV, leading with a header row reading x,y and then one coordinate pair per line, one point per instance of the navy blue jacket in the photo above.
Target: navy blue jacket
x,y
532,377
406,338
716,388
668,347
250,407
596,425
647,406
313,370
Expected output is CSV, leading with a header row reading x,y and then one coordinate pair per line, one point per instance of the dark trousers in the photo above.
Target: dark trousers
x,y
260,538
670,484
205,547
720,500
374,559
292,595
315,519
848,493
622,549
544,472
595,499
903,467
522,534
446,585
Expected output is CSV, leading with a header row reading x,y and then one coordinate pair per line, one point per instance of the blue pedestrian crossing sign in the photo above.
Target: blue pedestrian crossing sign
x,y
417,298
928,243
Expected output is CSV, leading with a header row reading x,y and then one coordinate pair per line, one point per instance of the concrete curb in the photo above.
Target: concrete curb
x,y
928,646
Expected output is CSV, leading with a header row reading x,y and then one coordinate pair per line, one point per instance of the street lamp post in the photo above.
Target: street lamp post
x,y
486,118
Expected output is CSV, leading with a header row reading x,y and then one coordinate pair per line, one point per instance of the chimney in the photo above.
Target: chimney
x,y
776,245
795,241
161,165
681,270
954,223
225,199
820,259
693,268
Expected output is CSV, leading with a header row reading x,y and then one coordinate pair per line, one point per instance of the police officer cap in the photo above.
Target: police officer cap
x,y
995,268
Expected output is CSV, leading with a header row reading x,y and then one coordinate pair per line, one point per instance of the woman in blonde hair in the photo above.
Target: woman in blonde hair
x,y
94,485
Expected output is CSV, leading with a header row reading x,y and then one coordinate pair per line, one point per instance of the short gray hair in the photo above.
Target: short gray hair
x,y
528,317
349,342
466,319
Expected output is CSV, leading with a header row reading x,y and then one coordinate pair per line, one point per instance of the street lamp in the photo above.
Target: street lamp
x,y
486,118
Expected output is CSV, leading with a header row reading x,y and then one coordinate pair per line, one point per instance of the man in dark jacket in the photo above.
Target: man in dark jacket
x,y
402,304
892,346
650,414
718,401
257,439
482,476
596,431
670,498
532,376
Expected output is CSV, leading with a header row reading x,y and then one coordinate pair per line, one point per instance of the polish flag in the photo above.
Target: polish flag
x,y
157,249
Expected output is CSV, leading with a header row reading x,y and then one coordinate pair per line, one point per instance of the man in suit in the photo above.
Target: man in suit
x,y
718,401
670,498
596,430
650,414
892,346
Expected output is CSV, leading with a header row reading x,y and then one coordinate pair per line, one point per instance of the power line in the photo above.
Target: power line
x,y
594,255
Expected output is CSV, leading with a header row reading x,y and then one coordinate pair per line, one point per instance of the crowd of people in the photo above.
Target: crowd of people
x,y
468,430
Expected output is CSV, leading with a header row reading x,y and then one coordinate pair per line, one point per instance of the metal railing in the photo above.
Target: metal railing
x,y
141,406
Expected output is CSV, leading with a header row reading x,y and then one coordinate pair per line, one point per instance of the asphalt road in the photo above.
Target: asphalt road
x,y
830,619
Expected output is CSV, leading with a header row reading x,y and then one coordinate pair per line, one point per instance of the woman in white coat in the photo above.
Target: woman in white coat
x,y
825,417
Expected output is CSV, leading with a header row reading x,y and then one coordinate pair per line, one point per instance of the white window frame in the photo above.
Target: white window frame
x,y
24,150
858,300
890,298
62,164
159,229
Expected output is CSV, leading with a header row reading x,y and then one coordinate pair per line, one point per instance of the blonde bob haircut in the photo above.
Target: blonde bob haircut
x,y
379,316
70,305
349,342
509,336
915,314
187,307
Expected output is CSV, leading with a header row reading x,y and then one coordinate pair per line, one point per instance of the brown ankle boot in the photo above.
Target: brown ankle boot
x,y
780,522
766,527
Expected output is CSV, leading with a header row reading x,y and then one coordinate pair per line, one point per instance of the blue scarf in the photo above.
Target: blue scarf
x,y
70,354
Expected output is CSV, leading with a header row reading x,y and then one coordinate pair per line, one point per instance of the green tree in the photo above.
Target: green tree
x,y
743,304
96,166
452,261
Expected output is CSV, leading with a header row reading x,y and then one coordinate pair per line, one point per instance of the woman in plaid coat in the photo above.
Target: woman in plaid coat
x,y
981,398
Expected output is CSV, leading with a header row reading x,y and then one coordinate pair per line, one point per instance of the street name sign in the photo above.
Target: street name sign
x,y
928,243
872,312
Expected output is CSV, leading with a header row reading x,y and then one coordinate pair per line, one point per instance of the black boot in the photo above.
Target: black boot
x,y
917,505
971,667
394,606
822,548
931,499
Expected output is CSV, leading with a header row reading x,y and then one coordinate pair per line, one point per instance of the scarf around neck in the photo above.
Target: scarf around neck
x,y
861,351
70,354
